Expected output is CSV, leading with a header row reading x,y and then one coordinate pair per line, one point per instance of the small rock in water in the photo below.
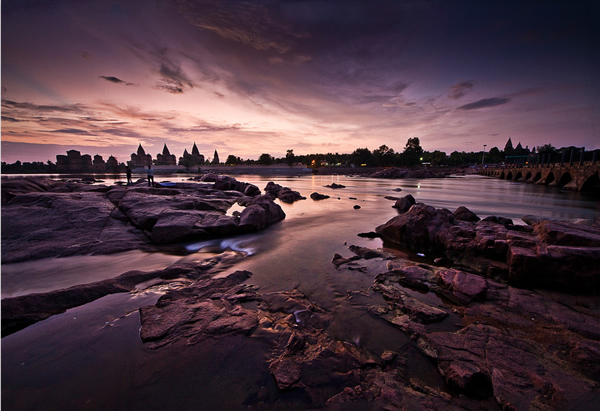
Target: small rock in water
x,y
356,207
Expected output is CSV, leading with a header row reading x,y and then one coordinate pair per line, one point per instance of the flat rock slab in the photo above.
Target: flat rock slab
x,y
39,225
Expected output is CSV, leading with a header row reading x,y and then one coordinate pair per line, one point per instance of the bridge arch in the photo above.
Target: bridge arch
x,y
518,176
565,179
528,176
537,176
502,175
509,176
592,184
549,178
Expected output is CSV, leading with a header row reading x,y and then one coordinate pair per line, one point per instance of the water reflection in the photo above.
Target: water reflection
x,y
95,349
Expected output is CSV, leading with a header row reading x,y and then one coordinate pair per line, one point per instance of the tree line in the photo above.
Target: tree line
x,y
384,156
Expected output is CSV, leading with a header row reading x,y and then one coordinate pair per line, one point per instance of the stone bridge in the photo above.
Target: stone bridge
x,y
576,177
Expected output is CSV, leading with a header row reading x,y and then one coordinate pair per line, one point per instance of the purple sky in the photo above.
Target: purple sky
x,y
255,77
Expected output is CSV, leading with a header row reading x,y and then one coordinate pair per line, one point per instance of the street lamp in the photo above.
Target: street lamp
x,y
483,155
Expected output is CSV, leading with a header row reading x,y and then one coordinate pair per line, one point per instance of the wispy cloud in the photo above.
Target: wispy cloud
x,y
460,89
116,80
484,103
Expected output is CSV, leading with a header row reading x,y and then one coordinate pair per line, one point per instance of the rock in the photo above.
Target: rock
x,y
47,224
317,196
370,234
356,207
404,203
15,186
285,194
20,312
191,313
335,186
548,255
367,253
260,213
65,218
464,214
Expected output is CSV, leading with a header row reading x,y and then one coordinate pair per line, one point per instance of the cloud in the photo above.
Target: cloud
x,y
10,119
73,131
247,23
484,103
116,80
460,89
173,80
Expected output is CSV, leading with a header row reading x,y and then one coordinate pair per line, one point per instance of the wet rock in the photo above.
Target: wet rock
x,y
405,203
20,312
317,196
548,255
259,213
47,224
464,214
207,309
335,186
285,194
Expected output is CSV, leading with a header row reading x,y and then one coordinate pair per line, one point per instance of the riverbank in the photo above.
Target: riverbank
x,y
440,333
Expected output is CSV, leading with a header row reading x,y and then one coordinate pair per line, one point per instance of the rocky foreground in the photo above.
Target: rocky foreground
x,y
492,315
46,218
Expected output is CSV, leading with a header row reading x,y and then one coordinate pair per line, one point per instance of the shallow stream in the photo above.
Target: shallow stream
x,y
91,357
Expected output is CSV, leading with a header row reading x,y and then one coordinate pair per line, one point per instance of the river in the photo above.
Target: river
x,y
91,357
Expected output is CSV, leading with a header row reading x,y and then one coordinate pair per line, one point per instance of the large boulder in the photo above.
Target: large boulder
x,y
405,203
548,254
259,212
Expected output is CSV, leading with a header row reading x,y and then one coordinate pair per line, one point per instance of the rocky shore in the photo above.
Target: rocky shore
x,y
507,316
45,218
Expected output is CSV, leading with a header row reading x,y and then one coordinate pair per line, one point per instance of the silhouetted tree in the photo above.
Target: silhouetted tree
x,y
265,159
383,156
362,156
412,152
290,158
233,160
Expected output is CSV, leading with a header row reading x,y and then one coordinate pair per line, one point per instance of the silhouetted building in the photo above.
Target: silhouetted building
x,y
194,159
166,158
98,163
112,164
216,158
141,159
74,161
508,148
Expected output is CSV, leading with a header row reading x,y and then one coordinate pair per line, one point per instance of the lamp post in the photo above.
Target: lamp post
x,y
483,155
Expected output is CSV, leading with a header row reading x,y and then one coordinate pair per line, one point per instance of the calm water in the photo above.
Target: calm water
x,y
91,356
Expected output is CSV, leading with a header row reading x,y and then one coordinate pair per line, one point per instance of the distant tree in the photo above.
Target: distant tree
x,y
436,158
383,156
265,159
233,160
290,158
412,152
494,155
546,149
362,156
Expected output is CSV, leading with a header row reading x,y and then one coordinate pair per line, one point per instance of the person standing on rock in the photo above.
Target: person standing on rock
x,y
128,171
150,173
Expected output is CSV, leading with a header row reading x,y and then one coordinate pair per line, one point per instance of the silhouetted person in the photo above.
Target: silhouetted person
x,y
128,171
150,173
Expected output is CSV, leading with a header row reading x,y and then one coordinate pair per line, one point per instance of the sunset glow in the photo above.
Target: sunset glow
x,y
247,78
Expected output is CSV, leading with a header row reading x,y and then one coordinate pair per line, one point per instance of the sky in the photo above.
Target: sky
x,y
252,77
